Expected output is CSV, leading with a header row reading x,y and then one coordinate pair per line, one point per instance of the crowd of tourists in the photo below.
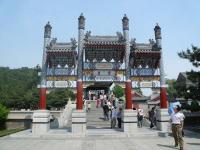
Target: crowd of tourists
x,y
112,111
176,122
111,106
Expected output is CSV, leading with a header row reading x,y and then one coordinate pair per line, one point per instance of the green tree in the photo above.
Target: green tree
x,y
118,91
171,89
194,106
193,55
58,98
3,115
18,88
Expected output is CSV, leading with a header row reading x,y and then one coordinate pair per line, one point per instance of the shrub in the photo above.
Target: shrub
x,y
118,91
3,115
195,106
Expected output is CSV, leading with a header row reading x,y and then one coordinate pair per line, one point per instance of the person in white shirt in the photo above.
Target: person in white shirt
x,y
113,117
101,99
177,119
140,117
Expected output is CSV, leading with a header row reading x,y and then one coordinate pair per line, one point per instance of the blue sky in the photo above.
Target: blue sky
x,y
22,22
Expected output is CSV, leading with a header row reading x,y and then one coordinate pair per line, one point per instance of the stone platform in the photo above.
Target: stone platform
x,y
101,132
96,139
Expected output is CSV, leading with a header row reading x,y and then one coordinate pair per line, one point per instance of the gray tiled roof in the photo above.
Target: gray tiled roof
x,y
143,46
103,40
61,46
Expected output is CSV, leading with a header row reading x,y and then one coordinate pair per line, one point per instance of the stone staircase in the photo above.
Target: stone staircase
x,y
95,118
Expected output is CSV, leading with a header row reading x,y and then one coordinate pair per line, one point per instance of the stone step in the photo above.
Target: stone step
x,y
95,118
99,123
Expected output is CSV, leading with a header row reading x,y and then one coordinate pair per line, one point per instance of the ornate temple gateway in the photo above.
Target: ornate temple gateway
x,y
96,62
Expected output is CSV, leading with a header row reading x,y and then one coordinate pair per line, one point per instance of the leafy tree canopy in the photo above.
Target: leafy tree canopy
x,y
193,55
171,89
118,91
58,98
18,90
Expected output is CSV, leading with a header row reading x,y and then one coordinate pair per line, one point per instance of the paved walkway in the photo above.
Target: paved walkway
x,y
96,141
95,118
99,136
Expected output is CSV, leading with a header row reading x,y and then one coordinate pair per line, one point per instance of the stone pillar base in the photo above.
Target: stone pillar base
x,y
163,119
129,120
79,123
41,122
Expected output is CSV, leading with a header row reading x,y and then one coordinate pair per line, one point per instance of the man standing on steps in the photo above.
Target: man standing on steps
x,y
113,117
101,99
106,111
119,117
140,117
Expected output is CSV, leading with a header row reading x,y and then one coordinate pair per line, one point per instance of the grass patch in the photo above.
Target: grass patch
x,y
10,131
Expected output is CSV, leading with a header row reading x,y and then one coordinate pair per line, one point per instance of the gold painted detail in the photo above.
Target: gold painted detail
x,y
62,78
150,78
120,72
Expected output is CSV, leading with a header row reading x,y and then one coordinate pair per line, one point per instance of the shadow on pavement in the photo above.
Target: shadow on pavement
x,y
168,146
192,134
194,143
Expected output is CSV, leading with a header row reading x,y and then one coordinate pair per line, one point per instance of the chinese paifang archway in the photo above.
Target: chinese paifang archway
x,y
97,60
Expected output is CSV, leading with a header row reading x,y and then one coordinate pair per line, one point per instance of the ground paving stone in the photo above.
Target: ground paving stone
x,y
95,142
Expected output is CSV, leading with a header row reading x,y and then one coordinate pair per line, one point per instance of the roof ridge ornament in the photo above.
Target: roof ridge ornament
x,y
53,42
133,41
151,41
74,43
120,36
87,35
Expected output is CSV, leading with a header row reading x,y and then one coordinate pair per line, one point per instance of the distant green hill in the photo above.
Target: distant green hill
x,y
18,88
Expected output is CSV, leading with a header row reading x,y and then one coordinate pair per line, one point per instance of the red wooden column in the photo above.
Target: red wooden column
x,y
128,88
42,98
163,97
79,103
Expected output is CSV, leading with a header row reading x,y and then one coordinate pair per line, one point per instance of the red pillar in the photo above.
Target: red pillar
x,y
42,98
163,97
128,95
79,103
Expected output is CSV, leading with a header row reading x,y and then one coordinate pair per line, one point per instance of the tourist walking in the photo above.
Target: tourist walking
x,y
177,119
119,117
152,117
114,100
88,108
101,99
140,117
113,117
97,103
106,111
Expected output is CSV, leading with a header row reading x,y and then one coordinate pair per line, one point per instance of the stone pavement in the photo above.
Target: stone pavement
x,y
98,140
95,118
